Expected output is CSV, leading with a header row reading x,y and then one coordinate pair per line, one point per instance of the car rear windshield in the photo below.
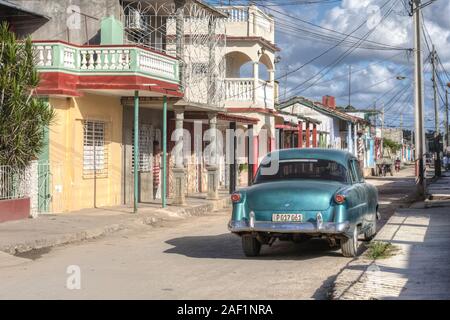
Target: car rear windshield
x,y
304,169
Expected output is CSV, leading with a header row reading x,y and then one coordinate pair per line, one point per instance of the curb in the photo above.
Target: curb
x,y
99,232
355,281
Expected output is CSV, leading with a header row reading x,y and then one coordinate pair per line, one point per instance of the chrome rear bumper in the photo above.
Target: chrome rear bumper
x,y
276,227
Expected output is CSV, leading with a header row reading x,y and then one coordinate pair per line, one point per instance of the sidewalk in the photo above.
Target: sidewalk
x,y
421,267
48,231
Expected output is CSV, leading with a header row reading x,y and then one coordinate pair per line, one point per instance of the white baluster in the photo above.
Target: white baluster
x,y
113,60
72,58
49,56
91,60
66,57
120,58
127,59
83,60
105,60
41,55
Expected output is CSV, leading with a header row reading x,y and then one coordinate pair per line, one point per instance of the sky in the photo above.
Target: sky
x,y
375,65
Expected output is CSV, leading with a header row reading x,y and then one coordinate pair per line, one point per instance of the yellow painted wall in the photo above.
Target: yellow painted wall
x,y
70,189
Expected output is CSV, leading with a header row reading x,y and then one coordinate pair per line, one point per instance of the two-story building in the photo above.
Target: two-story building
x,y
122,76
250,85
132,80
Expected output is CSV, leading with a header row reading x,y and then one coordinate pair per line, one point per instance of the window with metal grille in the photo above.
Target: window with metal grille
x,y
145,148
95,151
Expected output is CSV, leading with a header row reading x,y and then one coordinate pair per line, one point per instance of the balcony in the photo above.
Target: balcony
x,y
249,21
240,93
105,60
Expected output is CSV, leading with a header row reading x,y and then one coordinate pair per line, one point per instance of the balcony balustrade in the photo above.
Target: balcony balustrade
x,y
110,60
240,92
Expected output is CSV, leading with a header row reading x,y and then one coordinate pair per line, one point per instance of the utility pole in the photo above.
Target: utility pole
x,y
382,131
349,85
447,141
437,144
419,100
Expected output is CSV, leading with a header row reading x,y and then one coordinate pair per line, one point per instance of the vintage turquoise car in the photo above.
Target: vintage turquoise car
x,y
303,193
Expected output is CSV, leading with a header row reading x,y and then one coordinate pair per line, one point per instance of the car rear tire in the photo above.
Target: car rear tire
x,y
370,233
349,246
251,246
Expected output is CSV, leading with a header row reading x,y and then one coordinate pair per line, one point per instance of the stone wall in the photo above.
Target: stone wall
x,y
66,25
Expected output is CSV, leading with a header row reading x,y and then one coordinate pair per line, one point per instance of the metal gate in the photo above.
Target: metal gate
x,y
44,188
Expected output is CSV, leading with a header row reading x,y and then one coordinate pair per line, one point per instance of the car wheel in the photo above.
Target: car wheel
x,y
251,246
349,246
370,233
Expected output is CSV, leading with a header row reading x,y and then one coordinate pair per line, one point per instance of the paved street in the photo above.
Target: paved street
x,y
419,269
190,259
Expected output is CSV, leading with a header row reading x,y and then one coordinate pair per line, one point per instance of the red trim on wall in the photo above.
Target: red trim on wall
x,y
255,155
314,137
263,41
249,110
62,83
17,209
236,118
300,135
308,135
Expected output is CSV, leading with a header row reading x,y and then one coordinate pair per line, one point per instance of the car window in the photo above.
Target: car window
x,y
305,169
352,170
357,175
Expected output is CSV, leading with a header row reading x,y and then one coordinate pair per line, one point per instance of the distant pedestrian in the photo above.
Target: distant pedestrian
x,y
156,170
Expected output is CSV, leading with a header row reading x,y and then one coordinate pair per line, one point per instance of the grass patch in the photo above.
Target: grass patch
x,y
381,250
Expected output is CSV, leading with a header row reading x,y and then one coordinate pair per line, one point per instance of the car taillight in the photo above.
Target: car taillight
x,y
339,198
236,197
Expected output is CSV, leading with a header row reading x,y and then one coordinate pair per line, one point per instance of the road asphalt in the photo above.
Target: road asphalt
x,y
194,258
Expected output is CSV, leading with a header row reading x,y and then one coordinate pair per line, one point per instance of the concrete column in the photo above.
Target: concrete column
x,y
349,138
179,172
255,139
355,140
250,153
213,167
179,7
255,79
300,134
233,164
271,76
308,135
212,62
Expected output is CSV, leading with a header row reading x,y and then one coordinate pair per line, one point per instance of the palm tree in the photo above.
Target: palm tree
x,y
23,117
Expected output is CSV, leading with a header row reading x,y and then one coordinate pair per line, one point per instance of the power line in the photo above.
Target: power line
x,y
330,66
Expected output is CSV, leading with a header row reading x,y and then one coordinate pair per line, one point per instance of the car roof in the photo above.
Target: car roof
x,y
340,156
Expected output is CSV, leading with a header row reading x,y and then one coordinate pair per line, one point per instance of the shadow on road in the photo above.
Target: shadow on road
x,y
228,246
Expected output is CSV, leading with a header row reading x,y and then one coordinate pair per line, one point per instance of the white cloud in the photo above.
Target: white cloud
x,y
396,30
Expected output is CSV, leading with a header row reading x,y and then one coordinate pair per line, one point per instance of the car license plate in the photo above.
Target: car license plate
x,y
287,217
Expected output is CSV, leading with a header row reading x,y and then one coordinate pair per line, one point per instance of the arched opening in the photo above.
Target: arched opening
x,y
238,64
265,67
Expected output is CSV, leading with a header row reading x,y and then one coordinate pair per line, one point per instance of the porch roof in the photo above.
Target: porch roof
x,y
287,117
318,107
224,116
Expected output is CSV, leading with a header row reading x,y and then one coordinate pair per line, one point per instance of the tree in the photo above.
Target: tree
x,y
23,117
392,145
